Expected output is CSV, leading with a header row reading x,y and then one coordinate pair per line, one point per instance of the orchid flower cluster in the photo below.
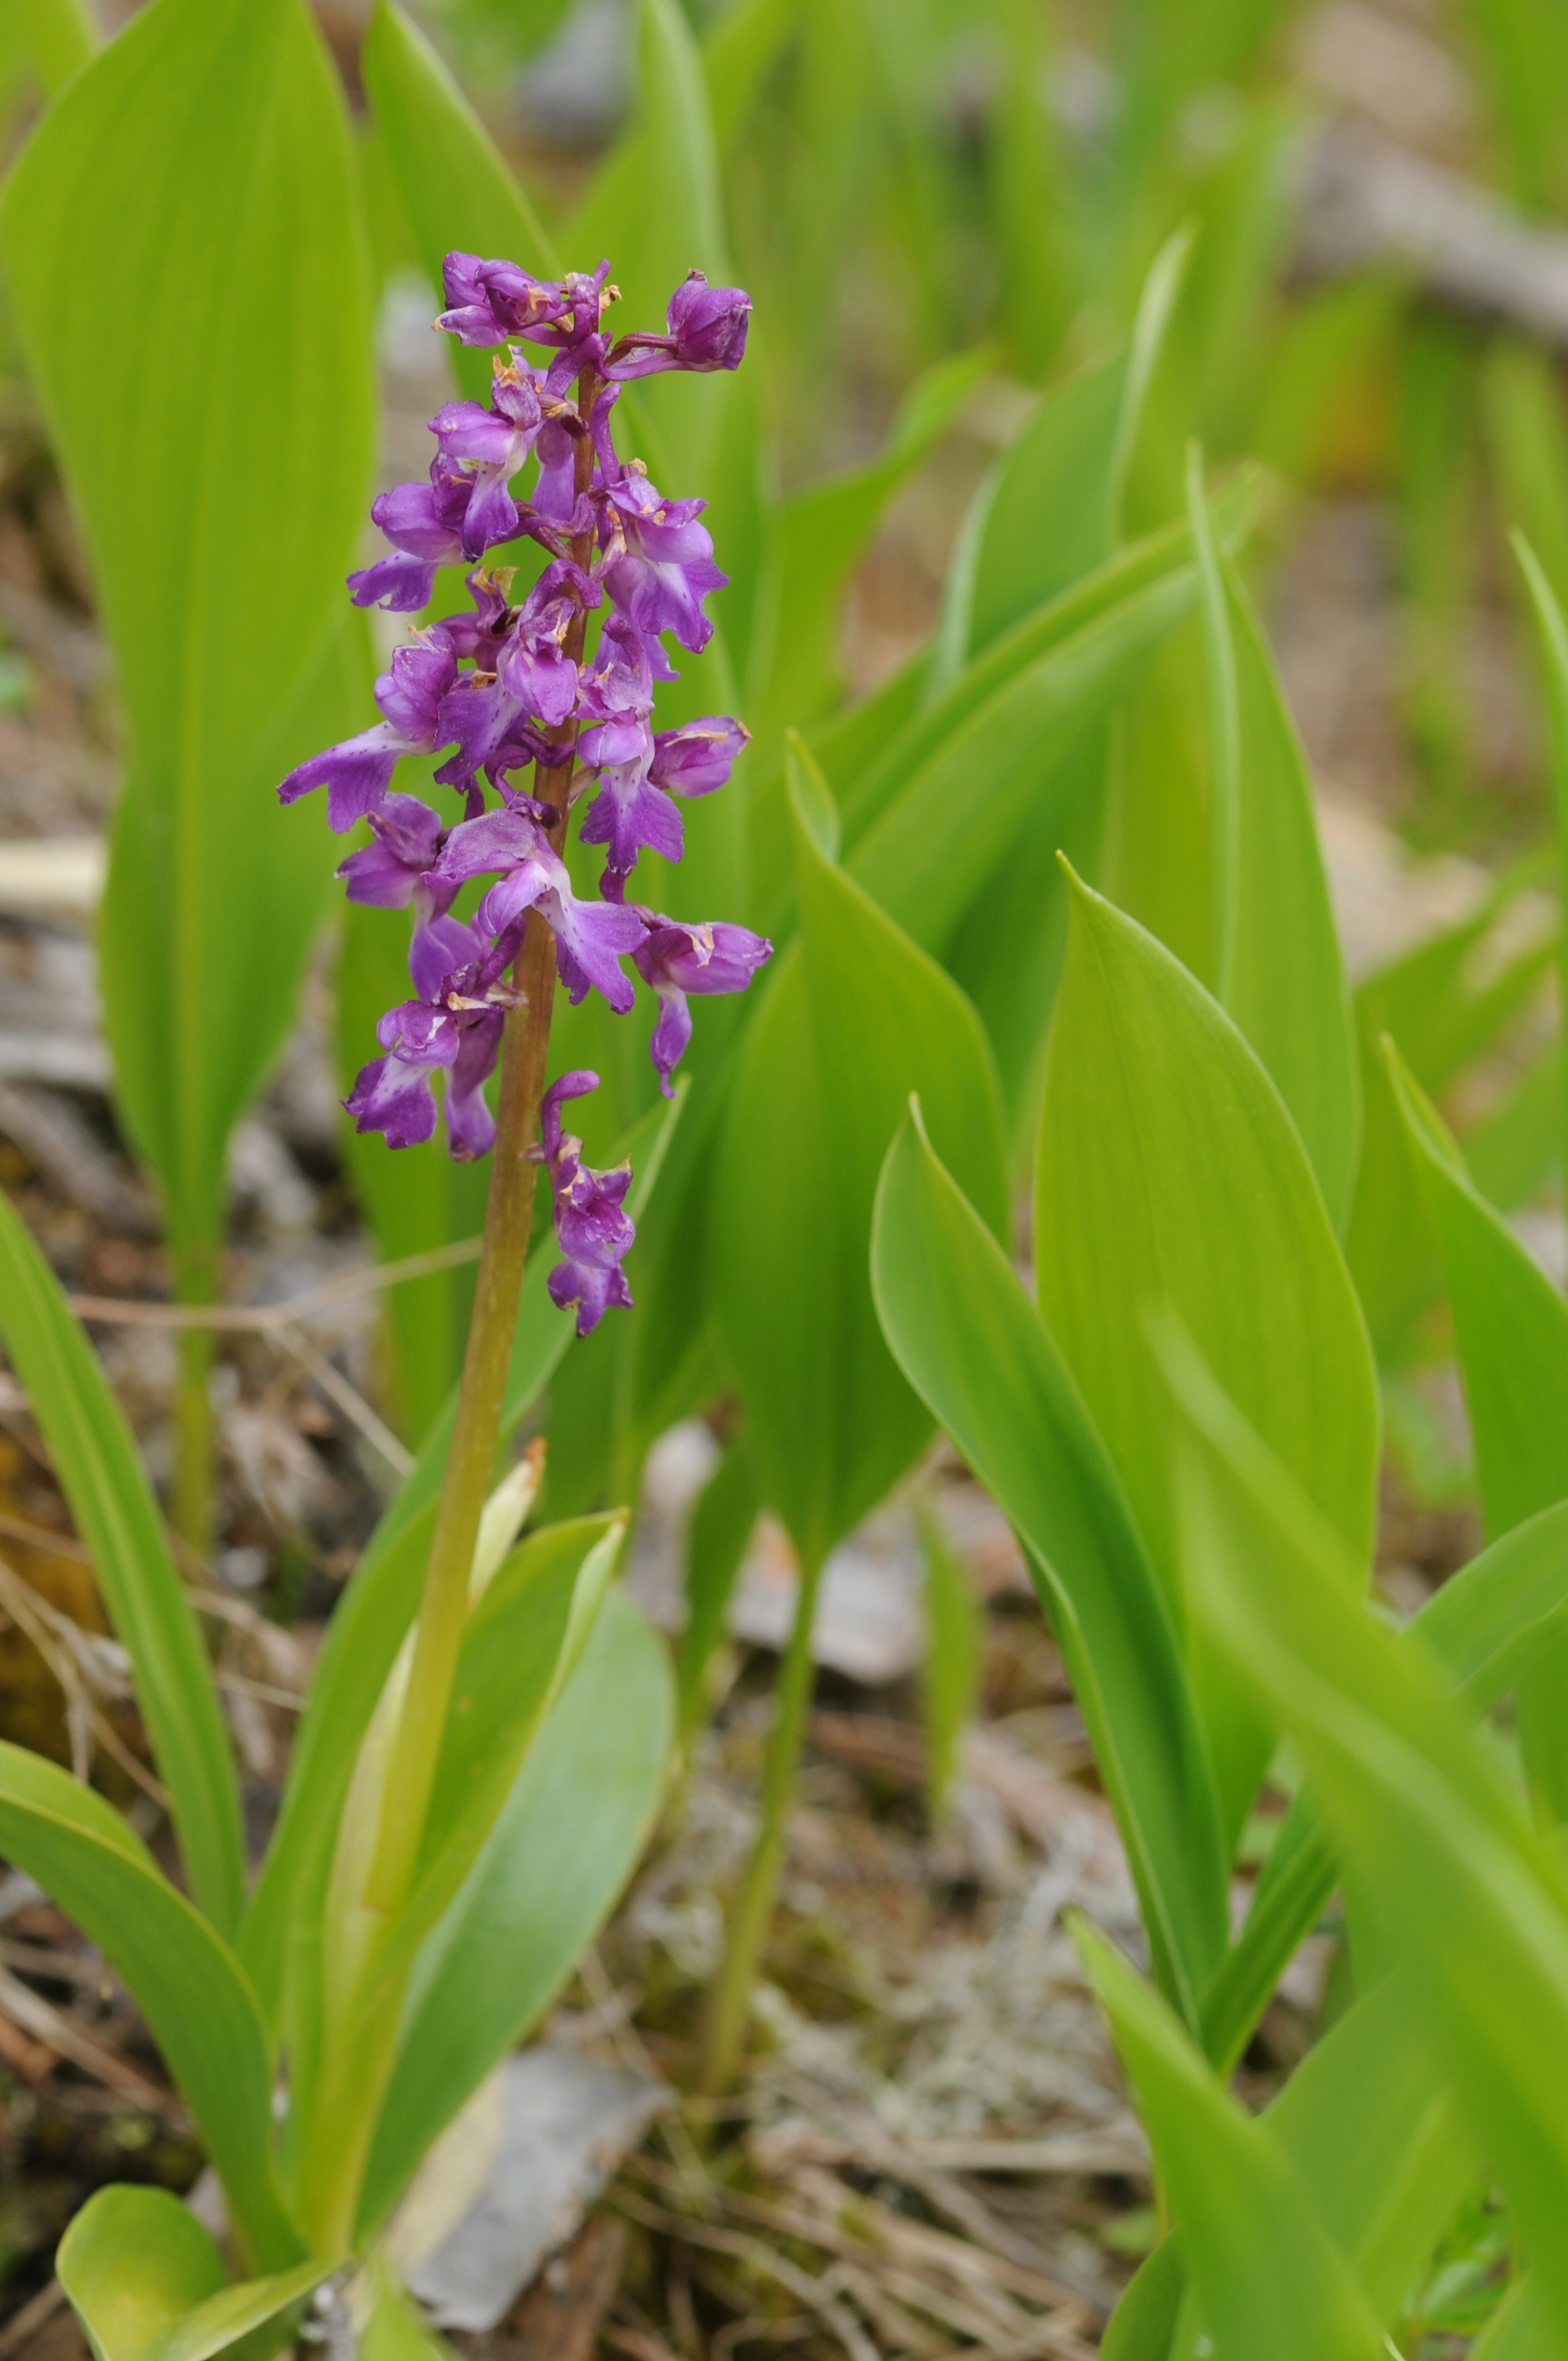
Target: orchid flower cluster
x,y
506,686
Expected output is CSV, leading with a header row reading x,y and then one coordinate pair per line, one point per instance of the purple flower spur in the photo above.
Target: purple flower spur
x,y
560,681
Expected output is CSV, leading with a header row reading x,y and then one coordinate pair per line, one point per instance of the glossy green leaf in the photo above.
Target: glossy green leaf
x,y
1278,972
455,188
95,1458
1475,1902
180,239
182,1977
1552,627
147,2283
560,1851
973,1344
1492,1623
856,1018
1268,2276
1050,511
58,37
1512,1331
1168,1172
1519,2330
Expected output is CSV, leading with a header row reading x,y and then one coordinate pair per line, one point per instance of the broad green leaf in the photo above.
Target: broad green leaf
x,y
1491,1624
396,2329
184,1980
414,1200
1168,1172
954,1660
1279,973
95,1458
973,1344
1473,1902
873,752
343,2021
1519,2330
825,528
1552,628
956,810
1268,2276
147,2283
457,190
1512,1333
556,1859
1144,2323
1522,403
180,239
365,1631
58,37
1050,510
1511,1326
856,1018
722,1519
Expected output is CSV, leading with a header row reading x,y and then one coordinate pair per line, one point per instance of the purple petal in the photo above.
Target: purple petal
x,y
696,758
470,1125
629,813
356,776
401,583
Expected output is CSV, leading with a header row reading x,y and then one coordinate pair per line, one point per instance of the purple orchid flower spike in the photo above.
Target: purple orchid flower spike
x,y
592,1226
357,772
706,331
677,960
496,685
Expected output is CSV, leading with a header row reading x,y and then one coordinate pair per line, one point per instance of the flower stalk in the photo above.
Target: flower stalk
x,y
507,689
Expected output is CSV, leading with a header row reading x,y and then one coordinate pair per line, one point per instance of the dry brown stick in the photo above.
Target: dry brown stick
x,y
51,2025
349,1400
54,1636
32,2316
798,2283
123,1311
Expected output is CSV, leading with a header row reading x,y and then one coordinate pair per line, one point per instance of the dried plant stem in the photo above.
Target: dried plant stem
x,y
729,1995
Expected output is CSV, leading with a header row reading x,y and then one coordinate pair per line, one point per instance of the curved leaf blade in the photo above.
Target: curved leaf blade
x,y
560,1851
111,1500
969,1341
184,1980
147,2283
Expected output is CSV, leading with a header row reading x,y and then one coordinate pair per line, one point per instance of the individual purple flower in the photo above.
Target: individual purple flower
x,y
393,1093
591,938
592,1226
357,771
659,560
697,757
488,302
424,523
477,632
394,872
706,331
677,960
487,447
630,815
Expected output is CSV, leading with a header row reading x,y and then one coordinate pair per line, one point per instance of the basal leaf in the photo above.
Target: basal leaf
x,y
1474,1903
147,2283
58,39
1266,2274
182,241
184,1980
973,1344
95,1458
1168,1173
1511,1332
857,1017
561,1850
1279,971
